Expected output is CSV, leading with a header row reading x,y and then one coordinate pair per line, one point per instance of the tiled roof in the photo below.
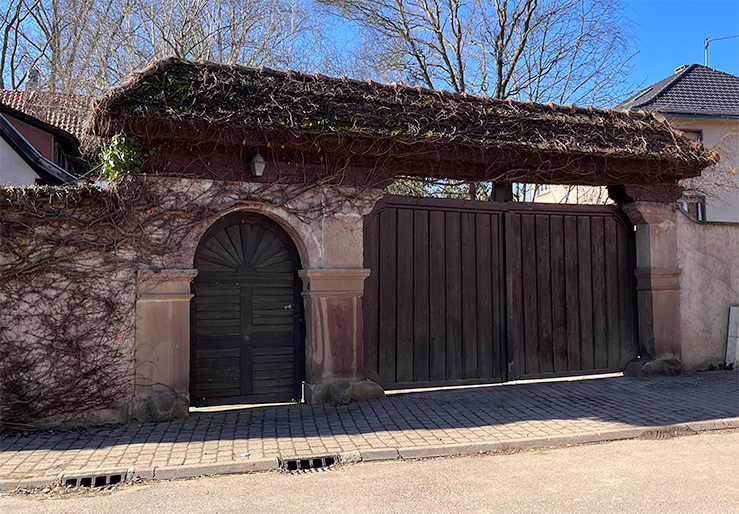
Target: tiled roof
x,y
693,89
65,112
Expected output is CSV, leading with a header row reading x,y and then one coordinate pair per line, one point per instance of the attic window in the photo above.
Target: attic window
x,y
693,135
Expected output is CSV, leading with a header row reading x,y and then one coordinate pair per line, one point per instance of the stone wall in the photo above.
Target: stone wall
x,y
708,256
113,271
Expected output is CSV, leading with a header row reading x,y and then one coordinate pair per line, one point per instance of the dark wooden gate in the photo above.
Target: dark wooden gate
x,y
478,292
247,342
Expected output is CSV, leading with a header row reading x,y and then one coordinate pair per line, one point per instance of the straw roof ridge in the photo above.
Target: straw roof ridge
x,y
173,95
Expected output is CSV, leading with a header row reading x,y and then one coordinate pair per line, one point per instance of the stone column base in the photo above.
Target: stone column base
x,y
653,368
341,392
158,407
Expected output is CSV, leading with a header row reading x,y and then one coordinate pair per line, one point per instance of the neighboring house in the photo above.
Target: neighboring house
x,y
591,195
40,137
703,103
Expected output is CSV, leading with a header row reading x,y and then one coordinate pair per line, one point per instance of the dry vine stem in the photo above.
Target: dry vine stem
x,y
68,263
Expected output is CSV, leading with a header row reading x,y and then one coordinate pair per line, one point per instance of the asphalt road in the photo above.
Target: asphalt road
x,y
698,473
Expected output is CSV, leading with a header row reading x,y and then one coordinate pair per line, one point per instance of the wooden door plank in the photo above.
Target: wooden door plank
x,y
247,372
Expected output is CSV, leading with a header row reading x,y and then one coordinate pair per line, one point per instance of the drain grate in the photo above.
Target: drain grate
x,y
308,464
96,479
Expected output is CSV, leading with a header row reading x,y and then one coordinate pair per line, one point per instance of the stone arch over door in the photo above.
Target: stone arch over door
x,y
247,336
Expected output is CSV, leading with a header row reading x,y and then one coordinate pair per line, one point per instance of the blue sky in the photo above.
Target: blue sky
x,y
672,32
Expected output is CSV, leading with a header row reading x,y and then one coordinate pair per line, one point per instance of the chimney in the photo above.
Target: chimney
x,y
34,80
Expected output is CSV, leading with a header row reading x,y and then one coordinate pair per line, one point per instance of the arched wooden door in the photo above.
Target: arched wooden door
x,y
247,338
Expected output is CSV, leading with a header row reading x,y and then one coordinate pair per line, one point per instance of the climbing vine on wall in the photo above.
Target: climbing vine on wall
x,y
68,263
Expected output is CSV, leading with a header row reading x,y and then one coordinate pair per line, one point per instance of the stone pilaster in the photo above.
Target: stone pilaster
x,y
658,278
162,378
334,348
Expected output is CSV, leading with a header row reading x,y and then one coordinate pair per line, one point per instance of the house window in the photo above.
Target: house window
x,y
695,207
543,188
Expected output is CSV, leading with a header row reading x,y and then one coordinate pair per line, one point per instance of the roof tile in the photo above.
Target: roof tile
x,y
67,112
693,89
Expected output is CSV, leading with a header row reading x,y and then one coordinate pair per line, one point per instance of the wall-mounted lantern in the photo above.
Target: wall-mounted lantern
x,y
257,165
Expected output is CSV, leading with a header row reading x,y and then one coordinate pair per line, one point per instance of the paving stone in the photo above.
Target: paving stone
x,y
418,424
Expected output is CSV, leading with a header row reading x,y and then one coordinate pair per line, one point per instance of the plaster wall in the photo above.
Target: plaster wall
x,y
719,183
13,169
325,224
708,255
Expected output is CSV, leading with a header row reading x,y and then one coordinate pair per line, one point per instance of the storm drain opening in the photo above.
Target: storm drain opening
x,y
97,480
308,464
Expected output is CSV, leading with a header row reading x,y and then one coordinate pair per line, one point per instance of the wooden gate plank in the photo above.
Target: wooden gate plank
x,y
514,297
559,299
611,264
469,296
544,294
404,324
584,262
600,349
437,295
529,277
498,292
572,294
485,315
421,269
453,296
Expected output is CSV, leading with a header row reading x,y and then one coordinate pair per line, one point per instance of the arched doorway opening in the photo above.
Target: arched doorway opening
x,y
247,336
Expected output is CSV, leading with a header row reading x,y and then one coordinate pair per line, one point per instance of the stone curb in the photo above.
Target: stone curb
x,y
387,454
429,452
226,468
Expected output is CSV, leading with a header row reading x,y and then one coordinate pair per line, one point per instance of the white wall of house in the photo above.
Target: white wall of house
x,y
584,195
720,183
13,169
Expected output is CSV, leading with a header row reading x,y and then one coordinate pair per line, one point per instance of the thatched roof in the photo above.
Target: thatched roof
x,y
415,131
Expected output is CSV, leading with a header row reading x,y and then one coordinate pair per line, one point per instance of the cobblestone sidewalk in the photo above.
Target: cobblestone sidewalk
x,y
410,424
